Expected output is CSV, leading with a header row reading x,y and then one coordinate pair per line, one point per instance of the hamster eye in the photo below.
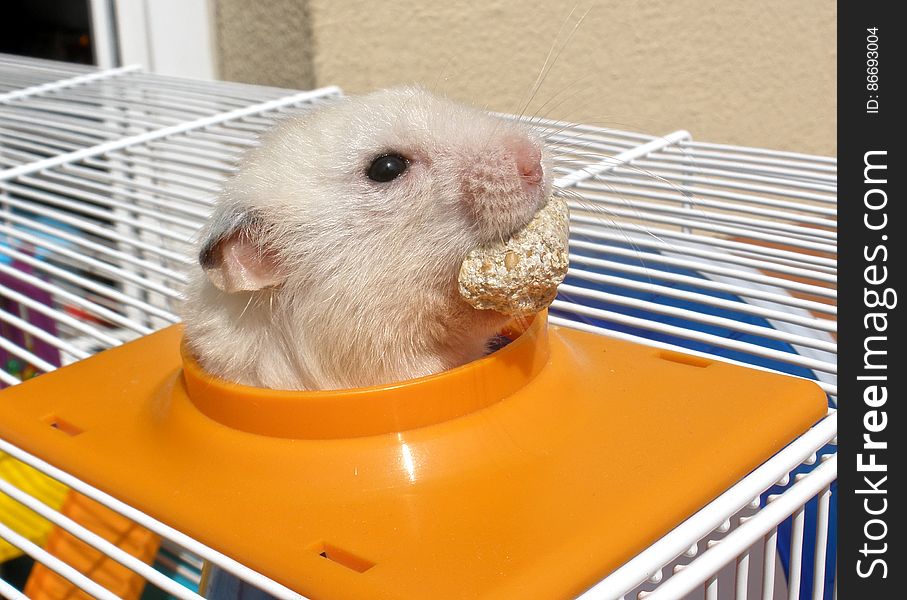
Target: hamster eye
x,y
387,167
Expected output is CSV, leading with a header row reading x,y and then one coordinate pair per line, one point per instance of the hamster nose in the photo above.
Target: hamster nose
x,y
528,160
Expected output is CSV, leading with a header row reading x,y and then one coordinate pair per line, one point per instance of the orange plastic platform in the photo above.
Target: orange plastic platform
x,y
531,473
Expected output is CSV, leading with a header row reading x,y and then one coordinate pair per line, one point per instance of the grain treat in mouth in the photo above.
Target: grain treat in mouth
x,y
520,275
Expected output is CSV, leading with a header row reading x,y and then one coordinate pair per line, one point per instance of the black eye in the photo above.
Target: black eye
x,y
386,168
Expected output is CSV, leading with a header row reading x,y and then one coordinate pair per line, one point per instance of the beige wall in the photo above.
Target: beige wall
x,y
748,72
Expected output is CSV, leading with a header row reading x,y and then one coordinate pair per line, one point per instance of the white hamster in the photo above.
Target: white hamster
x,y
332,256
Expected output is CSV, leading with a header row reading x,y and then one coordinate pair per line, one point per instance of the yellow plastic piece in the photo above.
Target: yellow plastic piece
x,y
531,473
44,584
26,522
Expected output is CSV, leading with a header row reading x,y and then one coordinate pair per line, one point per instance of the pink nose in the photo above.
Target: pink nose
x,y
528,160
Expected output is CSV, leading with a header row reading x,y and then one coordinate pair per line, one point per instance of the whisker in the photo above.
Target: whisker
x,y
546,69
441,73
604,213
536,117
525,103
599,208
248,304
580,149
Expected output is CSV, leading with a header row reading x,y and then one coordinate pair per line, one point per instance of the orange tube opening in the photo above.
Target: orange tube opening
x,y
372,410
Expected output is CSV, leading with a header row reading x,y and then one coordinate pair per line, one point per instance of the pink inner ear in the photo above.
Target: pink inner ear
x,y
243,266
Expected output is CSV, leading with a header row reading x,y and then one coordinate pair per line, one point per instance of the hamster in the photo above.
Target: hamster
x,y
332,255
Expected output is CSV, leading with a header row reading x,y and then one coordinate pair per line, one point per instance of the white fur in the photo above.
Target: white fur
x,y
369,292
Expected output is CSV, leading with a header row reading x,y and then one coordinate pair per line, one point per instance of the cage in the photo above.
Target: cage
x,y
721,252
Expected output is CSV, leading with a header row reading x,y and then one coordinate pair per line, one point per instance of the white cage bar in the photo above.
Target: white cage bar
x,y
721,251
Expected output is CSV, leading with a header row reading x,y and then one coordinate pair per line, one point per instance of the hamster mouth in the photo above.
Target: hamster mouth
x,y
520,275
543,203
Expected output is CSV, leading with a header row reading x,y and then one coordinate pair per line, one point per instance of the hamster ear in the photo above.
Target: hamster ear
x,y
234,259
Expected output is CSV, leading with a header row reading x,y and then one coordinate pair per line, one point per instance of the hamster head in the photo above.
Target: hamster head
x,y
332,256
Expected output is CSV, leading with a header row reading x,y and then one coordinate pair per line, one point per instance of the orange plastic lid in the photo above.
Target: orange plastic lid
x,y
531,473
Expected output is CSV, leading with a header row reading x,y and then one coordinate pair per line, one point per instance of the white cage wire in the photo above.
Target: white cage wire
x,y
722,251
